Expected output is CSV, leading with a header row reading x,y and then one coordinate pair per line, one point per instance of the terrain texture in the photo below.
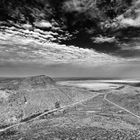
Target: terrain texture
x,y
39,108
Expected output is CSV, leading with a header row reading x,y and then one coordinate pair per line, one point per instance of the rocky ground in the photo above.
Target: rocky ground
x,y
94,119
23,98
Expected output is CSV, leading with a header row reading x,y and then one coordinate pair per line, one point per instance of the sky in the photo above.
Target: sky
x,y
21,57
25,57
127,70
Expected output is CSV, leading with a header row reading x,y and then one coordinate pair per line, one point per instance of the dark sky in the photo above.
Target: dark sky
x,y
22,57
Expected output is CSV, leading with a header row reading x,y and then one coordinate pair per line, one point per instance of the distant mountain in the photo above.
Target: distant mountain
x,y
33,82
36,81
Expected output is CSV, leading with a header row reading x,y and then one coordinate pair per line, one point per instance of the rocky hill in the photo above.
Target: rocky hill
x,y
22,98
32,82
108,114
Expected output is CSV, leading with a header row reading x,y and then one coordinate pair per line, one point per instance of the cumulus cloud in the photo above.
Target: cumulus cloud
x,y
134,15
131,22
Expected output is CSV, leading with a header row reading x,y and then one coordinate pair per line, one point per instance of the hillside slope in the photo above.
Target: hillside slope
x,y
25,97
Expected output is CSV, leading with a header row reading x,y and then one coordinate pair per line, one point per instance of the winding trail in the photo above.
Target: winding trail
x,y
51,111
105,98
71,105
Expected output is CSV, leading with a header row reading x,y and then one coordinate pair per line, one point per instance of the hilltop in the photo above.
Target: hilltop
x,y
34,81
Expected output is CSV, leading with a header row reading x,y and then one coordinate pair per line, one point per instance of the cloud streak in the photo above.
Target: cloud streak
x,y
20,56
16,49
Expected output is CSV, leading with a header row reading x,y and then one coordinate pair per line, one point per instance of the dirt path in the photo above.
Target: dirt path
x,y
105,98
51,111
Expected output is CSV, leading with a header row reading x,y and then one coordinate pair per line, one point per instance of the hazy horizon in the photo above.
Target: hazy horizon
x,y
127,70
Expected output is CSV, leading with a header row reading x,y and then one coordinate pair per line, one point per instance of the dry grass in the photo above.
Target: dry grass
x,y
30,96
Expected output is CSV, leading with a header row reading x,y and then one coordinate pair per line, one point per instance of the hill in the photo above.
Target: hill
x,y
108,114
22,98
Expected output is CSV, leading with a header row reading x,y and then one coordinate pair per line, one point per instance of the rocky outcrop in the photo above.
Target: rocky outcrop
x,y
37,81
29,82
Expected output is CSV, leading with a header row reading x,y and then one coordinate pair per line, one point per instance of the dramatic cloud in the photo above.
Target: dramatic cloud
x,y
20,56
132,15
79,5
17,49
132,22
